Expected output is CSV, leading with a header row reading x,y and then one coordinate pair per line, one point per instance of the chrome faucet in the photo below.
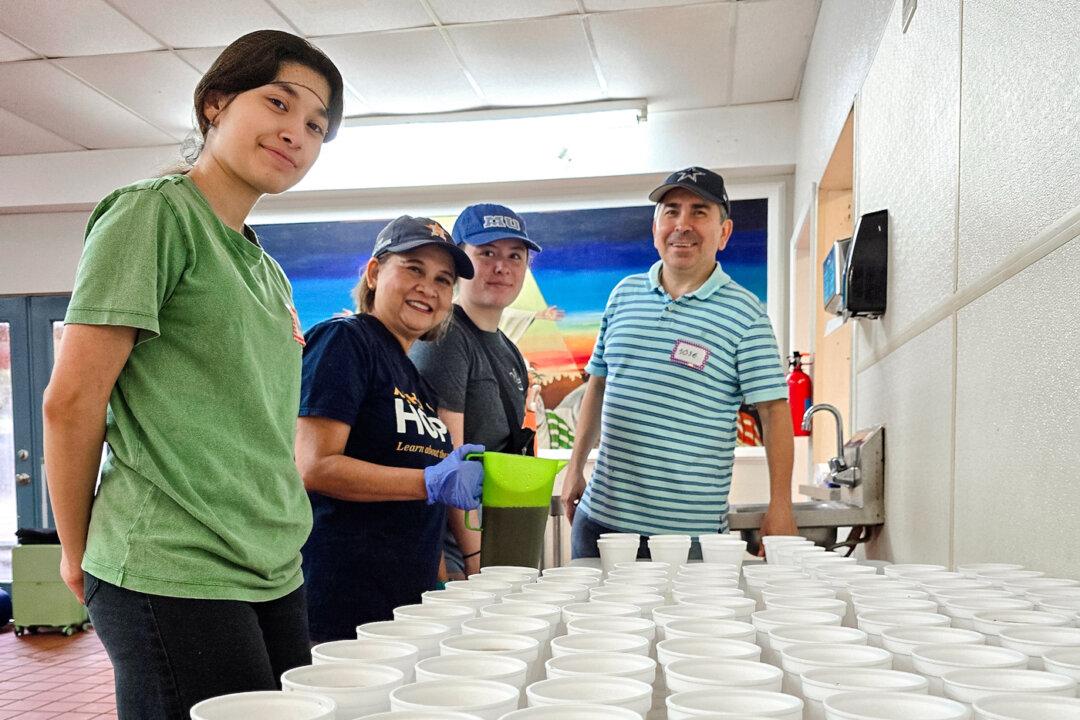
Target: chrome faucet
x,y
839,472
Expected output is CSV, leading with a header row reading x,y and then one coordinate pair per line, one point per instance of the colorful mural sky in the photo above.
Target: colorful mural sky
x,y
586,252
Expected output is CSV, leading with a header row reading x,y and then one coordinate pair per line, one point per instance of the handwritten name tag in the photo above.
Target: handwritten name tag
x,y
690,355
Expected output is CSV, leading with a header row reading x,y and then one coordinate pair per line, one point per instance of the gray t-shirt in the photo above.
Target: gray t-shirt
x,y
466,382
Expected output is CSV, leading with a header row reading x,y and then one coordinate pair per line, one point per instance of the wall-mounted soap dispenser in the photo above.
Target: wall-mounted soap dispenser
x,y
867,267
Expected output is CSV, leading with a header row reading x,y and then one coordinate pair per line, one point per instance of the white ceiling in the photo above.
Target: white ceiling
x,y
92,74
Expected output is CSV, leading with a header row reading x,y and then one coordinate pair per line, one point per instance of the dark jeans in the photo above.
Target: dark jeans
x,y
585,532
169,653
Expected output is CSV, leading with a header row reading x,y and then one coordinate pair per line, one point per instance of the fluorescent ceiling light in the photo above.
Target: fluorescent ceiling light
x,y
497,145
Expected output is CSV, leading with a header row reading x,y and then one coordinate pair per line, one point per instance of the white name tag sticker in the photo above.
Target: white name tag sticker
x,y
691,355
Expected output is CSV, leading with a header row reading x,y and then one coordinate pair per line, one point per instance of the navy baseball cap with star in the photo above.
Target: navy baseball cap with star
x,y
702,182
485,223
408,233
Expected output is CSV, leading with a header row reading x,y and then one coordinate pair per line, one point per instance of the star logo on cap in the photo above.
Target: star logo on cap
x,y
691,174
437,230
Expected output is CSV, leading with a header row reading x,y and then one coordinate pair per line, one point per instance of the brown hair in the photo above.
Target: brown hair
x,y
254,60
364,297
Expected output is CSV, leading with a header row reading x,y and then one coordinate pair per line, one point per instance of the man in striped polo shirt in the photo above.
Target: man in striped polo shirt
x,y
679,349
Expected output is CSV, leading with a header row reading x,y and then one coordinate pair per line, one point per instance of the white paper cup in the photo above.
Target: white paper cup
x,y
901,640
1034,641
734,703
709,628
645,566
766,620
265,705
425,635
671,549
523,648
595,689
975,569
797,659
863,604
392,653
1063,661
491,584
667,613
572,570
536,628
815,604
421,715
893,706
543,611
722,549
573,611
572,712
991,622
448,615
357,690
642,627
580,593
822,683
599,642
475,599
873,622
614,551
742,606
706,648
967,686
787,635
510,570
933,661
547,598
961,610
588,581
903,569
702,674
500,668
1026,707
636,667
486,699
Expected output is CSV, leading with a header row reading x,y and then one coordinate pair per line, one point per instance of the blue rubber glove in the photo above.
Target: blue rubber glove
x,y
456,481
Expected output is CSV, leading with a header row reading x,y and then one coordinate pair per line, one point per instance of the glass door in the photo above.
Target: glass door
x,y
29,329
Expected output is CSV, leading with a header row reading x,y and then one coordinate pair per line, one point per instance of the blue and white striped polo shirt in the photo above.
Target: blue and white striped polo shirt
x,y
677,371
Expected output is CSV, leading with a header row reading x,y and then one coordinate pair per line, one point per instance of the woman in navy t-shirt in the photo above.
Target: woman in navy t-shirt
x,y
376,460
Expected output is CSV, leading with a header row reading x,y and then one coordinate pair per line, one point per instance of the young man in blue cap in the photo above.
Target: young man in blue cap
x,y
479,374
679,349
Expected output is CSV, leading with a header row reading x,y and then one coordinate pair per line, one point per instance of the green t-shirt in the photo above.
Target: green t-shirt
x,y
199,495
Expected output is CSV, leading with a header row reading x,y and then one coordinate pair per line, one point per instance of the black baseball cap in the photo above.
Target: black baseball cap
x,y
698,180
408,233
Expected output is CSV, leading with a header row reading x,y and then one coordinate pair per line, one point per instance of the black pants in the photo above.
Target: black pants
x,y
170,653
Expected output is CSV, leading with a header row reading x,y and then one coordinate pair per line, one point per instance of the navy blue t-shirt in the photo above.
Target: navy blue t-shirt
x,y
363,559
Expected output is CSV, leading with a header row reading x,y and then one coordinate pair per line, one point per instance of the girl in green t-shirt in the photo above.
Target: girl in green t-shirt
x,y
182,351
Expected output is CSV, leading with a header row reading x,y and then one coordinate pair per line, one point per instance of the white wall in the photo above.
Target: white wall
x,y
966,132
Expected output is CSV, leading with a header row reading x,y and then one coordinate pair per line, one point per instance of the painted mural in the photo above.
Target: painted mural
x,y
556,318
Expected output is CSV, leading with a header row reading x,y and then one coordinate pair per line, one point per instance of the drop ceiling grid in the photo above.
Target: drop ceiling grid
x,y
61,28
772,41
529,62
158,86
69,108
674,57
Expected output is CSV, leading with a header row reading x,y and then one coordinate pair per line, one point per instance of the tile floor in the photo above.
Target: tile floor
x,y
49,676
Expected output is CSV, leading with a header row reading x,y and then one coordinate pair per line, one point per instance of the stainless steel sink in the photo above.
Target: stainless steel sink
x,y
860,504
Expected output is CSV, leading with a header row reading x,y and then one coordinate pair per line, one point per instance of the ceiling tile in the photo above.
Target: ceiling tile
x,y
201,58
402,72
24,138
73,27
202,23
47,96
772,39
342,17
674,57
531,62
617,5
158,85
11,50
464,11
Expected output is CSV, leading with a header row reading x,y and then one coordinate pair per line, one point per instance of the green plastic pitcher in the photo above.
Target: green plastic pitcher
x,y
516,481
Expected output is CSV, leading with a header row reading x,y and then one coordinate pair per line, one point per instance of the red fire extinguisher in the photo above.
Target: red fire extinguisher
x,y
800,392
